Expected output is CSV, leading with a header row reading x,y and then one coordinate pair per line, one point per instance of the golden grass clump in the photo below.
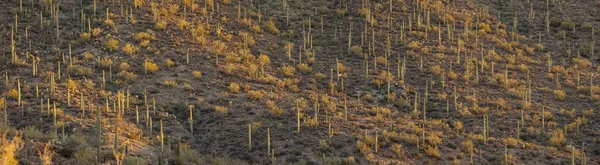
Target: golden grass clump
x,y
112,45
557,138
84,37
150,67
356,50
96,32
12,93
221,110
414,45
255,29
161,25
126,77
77,70
288,71
109,22
304,68
183,24
433,151
124,66
467,145
436,70
105,63
559,94
274,110
197,74
9,149
169,83
130,49
271,27
169,62
255,95
234,87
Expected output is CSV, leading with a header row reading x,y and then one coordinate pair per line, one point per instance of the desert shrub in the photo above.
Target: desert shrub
x,y
356,50
304,68
414,45
467,145
112,45
96,32
341,12
587,25
567,25
197,74
85,156
132,160
169,62
11,93
169,83
558,69
255,29
141,36
555,22
271,27
161,25
252,69
557,138
288,71
77,70
130,49
234,87
433,138
188,155
560,35
433,151
363,147
484,27
381,60
150,67
109,22
45,155
105,63
255,95
9,149
84,37
582,63
588,112
274,110
124,66
126,77
397,149
32,133
559,94
436,70
182,24
221,110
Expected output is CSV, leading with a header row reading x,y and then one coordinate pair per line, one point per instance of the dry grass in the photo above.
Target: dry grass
x,y
255,95
274,110
234,87
559,94
150,67
197,74
130,49
12,94
556,138
288,71
271,27
221,110
161,25
9,149
112,45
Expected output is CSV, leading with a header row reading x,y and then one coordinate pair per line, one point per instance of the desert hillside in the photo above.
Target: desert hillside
x,y
299,82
